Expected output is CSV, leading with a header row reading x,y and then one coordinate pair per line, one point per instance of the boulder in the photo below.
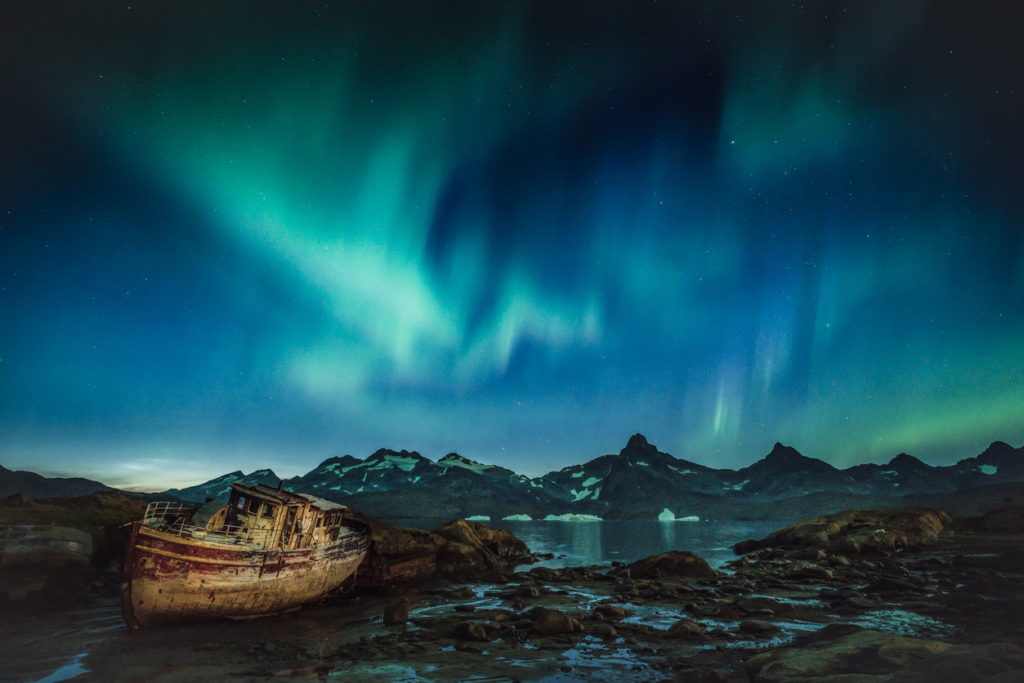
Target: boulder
x,y
396,612
471,549
551,622
756,627
857,531
687,629
527,590
675,563
459,549
610,612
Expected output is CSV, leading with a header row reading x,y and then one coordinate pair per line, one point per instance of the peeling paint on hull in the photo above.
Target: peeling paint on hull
x,y
169,578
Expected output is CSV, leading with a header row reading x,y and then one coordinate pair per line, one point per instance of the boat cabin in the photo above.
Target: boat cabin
x,y
273,518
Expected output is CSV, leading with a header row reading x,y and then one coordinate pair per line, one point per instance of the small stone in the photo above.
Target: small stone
x,y
396,612
756,627
471,630
604,631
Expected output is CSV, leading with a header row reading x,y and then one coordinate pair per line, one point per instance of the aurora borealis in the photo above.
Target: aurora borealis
x,y
235,235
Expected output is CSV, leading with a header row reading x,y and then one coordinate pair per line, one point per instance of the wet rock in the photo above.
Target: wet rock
x,y
872,655
396,611
702,609
527,590
857,531
756,627
803,569
471,630
859,602
675,563
550,622
761,605
687,629
891,584
604,631
610,612
465,608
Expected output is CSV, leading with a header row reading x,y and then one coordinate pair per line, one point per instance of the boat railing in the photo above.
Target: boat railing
x,y
167,512
175,518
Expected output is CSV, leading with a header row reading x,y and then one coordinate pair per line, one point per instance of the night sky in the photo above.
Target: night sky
x,y
236,236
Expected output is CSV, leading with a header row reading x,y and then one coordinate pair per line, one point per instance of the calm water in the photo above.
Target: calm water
x,y
583,543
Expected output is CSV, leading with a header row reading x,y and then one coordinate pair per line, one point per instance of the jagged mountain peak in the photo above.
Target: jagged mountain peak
x,y
786,459
386,454
904,461
638,442
997,450
343,461
640,449
780,453
262,473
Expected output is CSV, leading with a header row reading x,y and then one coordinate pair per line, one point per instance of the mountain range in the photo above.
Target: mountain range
x,y
638,482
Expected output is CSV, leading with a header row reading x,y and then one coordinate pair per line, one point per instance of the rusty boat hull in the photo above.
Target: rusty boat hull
x,y
169,578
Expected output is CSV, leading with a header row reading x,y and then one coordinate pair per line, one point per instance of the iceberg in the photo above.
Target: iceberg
x,y
667,515
572,517
479,518
518,518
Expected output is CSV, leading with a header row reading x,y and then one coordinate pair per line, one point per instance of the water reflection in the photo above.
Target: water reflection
x,y
668,533
586,538
583,543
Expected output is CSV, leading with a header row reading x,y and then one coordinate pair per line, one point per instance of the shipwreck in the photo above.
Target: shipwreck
x,y
267,551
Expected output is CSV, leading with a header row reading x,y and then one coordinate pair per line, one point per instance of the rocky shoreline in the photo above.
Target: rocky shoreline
x,y
936,606
866,596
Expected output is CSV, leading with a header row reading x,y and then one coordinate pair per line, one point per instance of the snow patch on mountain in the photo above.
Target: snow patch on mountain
x,y
458,461
577,496
988,469
402,462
